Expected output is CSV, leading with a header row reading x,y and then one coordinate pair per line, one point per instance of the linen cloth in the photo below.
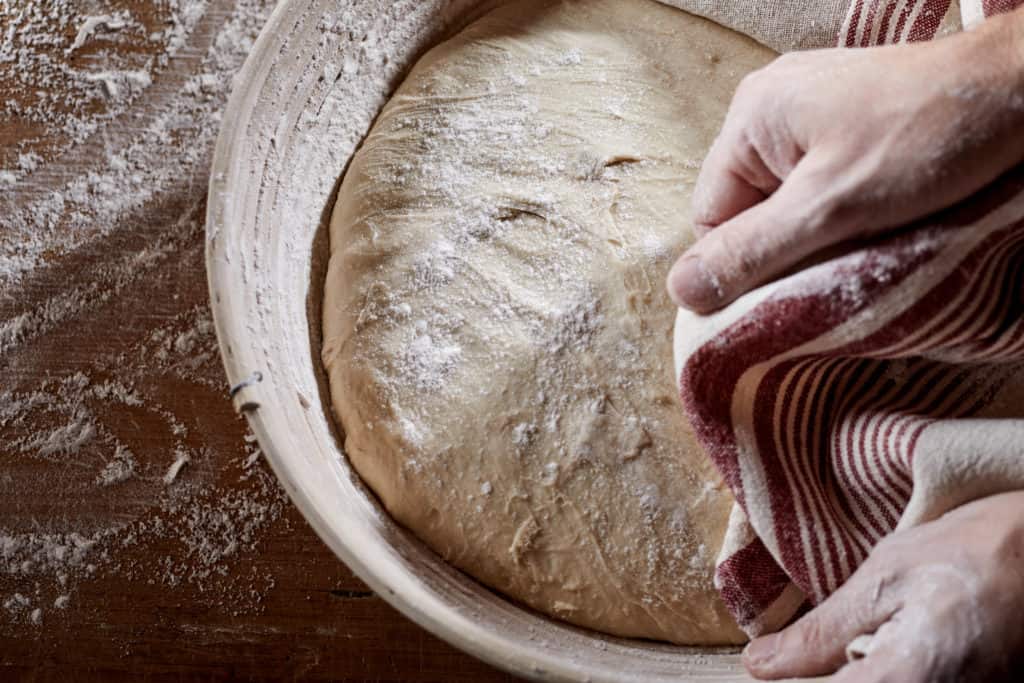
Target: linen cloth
x,y
875,390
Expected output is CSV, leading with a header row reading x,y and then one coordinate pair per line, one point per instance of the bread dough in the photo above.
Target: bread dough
x,y
497,336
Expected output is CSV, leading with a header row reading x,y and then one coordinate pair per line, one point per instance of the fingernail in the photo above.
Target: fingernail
x,y
761,650
693,286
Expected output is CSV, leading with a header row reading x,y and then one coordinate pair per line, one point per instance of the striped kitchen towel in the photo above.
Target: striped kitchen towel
x,y
786,25
871,392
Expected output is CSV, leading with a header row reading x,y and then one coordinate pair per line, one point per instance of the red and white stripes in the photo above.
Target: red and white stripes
x,y
812,395
882,22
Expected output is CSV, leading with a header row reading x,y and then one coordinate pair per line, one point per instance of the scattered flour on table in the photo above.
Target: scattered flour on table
x,y
74,76
117,111
201,520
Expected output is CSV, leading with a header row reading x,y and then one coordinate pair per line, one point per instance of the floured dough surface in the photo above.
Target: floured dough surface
x,y
497,336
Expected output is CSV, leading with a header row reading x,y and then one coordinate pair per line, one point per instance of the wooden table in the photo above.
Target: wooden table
x,y
141,535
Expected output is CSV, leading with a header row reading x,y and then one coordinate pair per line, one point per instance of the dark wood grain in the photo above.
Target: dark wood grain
x,y
185,582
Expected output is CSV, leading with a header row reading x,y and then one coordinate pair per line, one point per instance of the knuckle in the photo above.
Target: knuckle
x,y
811,633
753,89
791,69
788,59
749,83
703,202
746,265
702,224
881,592
736,259
772,77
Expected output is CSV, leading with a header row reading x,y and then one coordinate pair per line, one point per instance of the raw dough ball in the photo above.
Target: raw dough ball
x,y
497,336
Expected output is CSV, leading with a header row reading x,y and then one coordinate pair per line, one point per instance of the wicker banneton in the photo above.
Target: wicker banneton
x,y
315,80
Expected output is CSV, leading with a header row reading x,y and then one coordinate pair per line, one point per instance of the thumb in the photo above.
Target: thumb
x,y
760,243
816,643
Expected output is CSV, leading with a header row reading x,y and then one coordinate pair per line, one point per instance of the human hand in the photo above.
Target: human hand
x,y
944,600
833,145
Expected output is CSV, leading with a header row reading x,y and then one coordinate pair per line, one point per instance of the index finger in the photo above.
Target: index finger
x,y
734,176
720,193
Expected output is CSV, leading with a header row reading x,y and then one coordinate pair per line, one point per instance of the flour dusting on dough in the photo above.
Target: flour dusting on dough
x,y
496,330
